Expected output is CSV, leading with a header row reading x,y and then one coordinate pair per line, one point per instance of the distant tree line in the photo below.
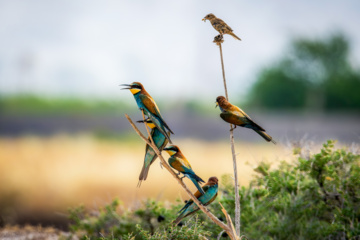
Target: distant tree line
x,y
313,74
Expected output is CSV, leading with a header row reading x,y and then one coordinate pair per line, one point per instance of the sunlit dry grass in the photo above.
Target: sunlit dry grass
x,y
62,171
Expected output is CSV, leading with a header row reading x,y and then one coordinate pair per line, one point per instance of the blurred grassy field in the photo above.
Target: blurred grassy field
x,y
50,174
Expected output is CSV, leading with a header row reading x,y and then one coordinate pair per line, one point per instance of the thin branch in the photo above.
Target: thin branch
x,y
220,234
223,72
147,129
228,218
228,229
236,181
218,40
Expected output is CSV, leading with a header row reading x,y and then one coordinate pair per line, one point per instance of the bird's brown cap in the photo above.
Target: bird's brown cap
x,y
173,150
213,180
223,102
209,17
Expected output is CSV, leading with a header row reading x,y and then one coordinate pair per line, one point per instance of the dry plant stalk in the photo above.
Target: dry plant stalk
x,y
227,228
218,40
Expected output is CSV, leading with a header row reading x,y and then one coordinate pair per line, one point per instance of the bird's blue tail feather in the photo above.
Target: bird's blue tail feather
x,y
194,180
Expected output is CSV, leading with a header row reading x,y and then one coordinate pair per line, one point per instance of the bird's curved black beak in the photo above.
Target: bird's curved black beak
x,y
128,86
140,121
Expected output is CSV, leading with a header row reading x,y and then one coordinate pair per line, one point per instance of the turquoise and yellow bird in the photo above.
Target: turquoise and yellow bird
x,y
150,156
234,115
146,102
211,191
178,161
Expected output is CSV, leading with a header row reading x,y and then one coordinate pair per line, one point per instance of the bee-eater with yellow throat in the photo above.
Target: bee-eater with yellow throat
x,y
178,161
146,102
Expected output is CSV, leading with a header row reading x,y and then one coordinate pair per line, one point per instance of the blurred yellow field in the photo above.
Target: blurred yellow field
x,y
54,173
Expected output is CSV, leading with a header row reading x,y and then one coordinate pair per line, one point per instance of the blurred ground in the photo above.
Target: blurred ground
x,y
32,233
44,176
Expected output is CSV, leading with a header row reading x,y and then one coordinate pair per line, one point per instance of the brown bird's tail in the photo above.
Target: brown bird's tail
x,y
143,174
236,37
266,136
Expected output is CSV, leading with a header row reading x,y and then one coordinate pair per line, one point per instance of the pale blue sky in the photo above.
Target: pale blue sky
x,y
87,48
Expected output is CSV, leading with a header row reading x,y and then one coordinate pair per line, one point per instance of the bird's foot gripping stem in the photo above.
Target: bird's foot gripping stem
x,y
232,128
218,39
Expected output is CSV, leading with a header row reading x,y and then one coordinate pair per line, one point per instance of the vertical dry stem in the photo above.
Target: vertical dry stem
x,y
237,197
223,72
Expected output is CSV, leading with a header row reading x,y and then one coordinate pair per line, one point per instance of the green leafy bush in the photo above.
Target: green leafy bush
x,y
316,197
151,221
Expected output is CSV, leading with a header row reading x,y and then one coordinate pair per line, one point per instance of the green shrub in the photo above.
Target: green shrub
x,y
317,197
314,198
150,221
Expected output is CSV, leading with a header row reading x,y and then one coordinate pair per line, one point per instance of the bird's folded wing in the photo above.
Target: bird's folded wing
x,y
177,164
233,118
254,125
150,105
197,194
189,171
240,112
229,28
212,199
185,162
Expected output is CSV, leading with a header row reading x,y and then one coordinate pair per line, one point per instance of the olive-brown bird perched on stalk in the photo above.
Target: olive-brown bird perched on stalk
x,y
220,25
234,115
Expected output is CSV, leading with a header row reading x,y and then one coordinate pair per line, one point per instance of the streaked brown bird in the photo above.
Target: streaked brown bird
x,y
220,25
234,115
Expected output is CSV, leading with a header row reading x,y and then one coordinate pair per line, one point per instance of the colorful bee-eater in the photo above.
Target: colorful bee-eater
x,y
150,156
178,161
234,115
211,191
146,102
220,25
